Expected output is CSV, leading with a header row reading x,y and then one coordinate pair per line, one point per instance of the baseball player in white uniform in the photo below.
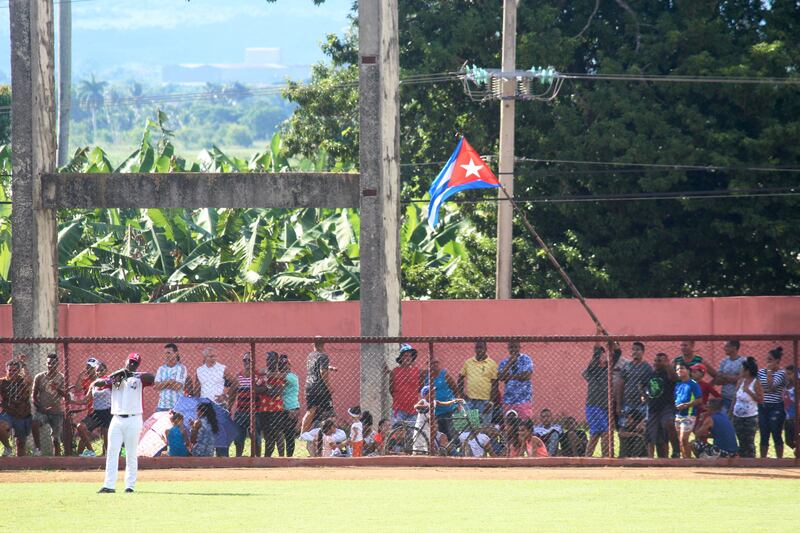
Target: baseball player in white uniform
x,y
126,408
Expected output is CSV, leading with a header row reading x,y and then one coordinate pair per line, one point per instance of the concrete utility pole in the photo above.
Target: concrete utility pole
x,y
505,211
64,79
379,155
34,264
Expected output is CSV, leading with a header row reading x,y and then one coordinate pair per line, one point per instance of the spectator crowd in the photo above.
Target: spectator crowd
x,y
657,406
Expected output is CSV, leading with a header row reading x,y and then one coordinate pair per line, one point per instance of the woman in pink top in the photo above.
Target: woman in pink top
x,y
527,444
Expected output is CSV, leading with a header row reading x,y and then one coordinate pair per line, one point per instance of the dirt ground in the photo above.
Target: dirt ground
x,y
360,473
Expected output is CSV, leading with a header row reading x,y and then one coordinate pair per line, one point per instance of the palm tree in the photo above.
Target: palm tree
x,y
91,98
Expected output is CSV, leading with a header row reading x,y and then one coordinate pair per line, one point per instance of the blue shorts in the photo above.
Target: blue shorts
x,y
21,426
597,418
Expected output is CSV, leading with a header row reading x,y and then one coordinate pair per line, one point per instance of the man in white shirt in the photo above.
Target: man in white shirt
x,y
126,409
170,379
215,381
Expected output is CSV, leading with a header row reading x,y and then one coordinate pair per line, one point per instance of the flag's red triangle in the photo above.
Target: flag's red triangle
x,y
469,167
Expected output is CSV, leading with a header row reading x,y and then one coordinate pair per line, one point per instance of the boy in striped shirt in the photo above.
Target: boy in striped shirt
x,y
170,379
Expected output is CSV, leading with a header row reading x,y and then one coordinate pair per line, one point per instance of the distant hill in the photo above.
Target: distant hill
x,y
123,39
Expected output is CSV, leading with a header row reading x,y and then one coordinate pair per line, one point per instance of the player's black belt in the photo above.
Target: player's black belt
x,y
124,416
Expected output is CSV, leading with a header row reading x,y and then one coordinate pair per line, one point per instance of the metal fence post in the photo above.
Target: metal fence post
x,y
609,397
253,441
796,406
431,404
67,433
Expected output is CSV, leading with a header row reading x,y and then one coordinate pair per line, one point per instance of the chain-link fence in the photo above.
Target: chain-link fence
x,y
494,397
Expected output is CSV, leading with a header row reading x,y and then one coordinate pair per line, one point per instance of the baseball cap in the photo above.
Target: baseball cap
x,y
92,362
407,348
425,390
699,366
135,357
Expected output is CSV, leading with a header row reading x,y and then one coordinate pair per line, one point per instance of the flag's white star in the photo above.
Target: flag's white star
x,y
472,168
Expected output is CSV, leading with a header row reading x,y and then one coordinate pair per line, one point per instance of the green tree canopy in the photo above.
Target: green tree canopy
x,y
621,249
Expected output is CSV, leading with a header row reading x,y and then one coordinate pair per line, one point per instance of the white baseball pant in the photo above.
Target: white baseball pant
x,y
123,430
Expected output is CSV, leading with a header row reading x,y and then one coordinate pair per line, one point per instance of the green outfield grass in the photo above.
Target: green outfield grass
x,y
408,505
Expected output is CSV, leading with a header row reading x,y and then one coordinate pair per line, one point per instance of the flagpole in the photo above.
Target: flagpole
x,y
554,261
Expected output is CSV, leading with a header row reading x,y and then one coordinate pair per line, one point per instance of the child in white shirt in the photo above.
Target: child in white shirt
x,y
356,432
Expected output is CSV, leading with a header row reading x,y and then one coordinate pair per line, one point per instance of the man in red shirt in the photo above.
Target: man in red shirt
x,y
698,373
404,385
269,387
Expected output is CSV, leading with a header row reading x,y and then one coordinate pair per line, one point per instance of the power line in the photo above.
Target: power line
x,y
629,197
671,78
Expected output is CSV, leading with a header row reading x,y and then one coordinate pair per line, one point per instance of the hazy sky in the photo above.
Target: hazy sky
x,y
117,36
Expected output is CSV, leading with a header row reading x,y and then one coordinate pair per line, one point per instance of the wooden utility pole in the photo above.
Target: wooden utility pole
x,y
379,156
505,212
64,79
34,264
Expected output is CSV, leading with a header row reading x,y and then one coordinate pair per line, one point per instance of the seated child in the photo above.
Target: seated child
x,y
176,437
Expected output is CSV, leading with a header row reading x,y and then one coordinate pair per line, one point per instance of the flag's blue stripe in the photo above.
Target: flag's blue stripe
x,y
436,202
443,179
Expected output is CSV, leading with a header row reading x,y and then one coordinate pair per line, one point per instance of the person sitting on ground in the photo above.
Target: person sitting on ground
x,y
717,426
328,444
99,417
688,397
631,435
573,441
313,440
15,397
371,443
384,427
549,432
356,440
526,444
203,430
176,437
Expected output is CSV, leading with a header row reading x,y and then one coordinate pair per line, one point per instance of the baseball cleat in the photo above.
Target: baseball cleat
x,y
106,490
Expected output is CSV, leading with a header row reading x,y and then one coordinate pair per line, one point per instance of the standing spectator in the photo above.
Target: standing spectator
x,y
547,431
690,357
480,373
99,417
634,376
698,373
790,408
444,387
405,381
203,430
170,379
770,413
422,425
596,376
745,407
319,400
291,405
356,440
240,406
15,398
515,372
213,380
687,397
660,426
5,431
49,387
269,385
717,426
730,369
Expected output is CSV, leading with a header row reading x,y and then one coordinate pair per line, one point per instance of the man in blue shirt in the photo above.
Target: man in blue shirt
x,y
515,372
688,396
717,426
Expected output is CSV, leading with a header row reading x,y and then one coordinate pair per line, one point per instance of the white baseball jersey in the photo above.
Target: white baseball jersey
x,y
126,397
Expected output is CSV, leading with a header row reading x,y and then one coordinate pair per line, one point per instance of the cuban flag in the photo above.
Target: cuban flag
x,y
464,170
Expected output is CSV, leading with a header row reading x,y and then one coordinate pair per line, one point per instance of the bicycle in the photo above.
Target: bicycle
x,y
471,438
